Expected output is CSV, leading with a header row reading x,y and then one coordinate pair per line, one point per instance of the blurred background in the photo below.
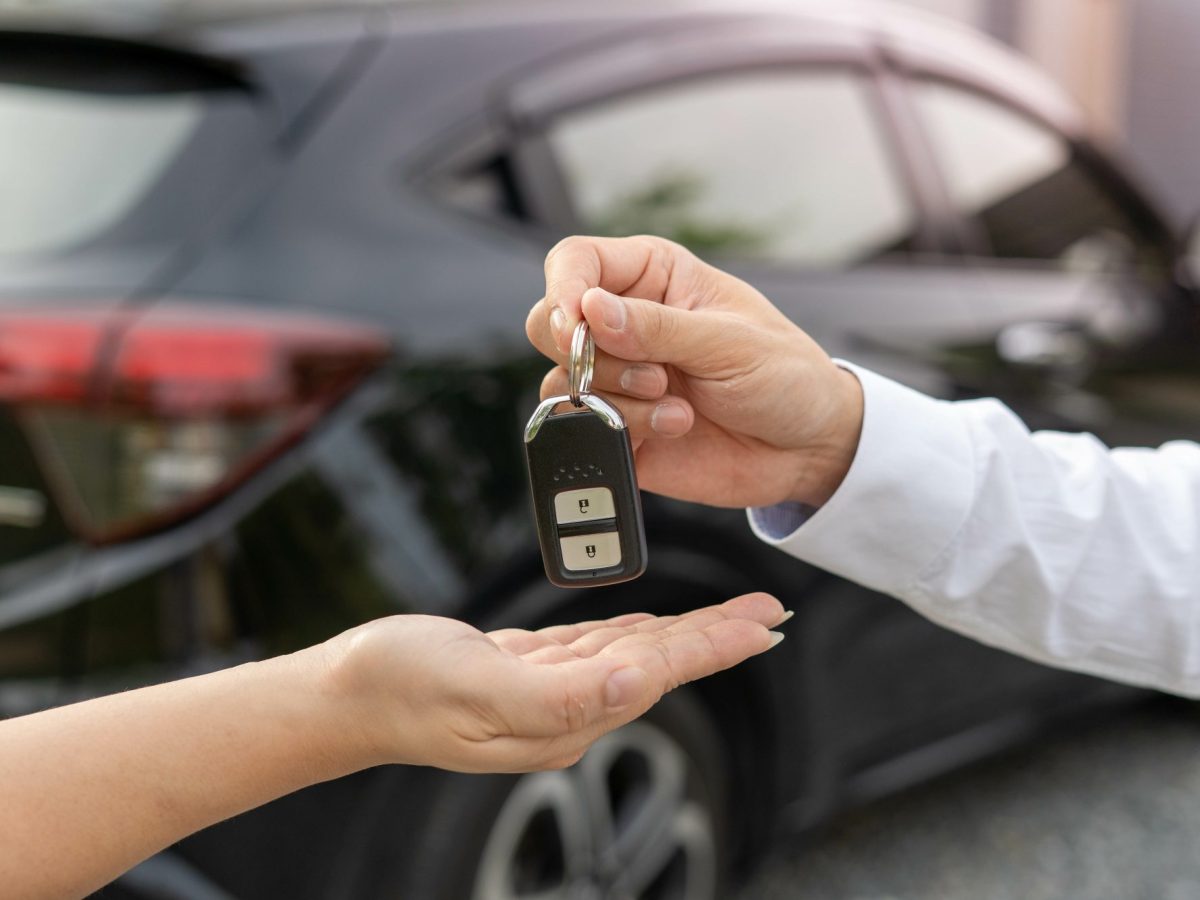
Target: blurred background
x,y
264,269
1129,63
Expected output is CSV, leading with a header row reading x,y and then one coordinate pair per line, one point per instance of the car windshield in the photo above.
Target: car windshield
x,y
107,143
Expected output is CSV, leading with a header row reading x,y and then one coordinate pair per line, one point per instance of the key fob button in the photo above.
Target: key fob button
x,y
585,505
581,552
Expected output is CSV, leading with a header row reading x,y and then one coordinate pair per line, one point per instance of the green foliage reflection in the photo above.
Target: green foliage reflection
x,y
668,205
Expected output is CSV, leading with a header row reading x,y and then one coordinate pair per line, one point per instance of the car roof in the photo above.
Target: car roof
x,y
919,41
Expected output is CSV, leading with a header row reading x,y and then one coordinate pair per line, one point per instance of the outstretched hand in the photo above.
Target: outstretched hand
x,y
729,403
434,691
176,757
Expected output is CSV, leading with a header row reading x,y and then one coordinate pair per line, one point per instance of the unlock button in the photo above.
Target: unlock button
x,y
585,505
591,551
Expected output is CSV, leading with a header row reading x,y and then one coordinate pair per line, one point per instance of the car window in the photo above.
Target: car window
x,y
57,189
92,130
486,188
1023,184
789,167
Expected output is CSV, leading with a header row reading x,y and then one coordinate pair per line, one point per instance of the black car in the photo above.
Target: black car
x,y
263,376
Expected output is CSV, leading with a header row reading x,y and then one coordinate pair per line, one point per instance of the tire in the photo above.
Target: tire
x,y
641,817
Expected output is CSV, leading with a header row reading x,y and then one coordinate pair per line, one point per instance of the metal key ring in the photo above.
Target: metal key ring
x,y
582,363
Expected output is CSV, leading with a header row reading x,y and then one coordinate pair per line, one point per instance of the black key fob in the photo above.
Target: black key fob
x,y
585,500
584,484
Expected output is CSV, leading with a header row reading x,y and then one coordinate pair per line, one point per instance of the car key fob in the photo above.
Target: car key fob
x,y
584,484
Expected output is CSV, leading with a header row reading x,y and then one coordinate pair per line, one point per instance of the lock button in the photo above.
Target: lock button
x,y
581,552
586,505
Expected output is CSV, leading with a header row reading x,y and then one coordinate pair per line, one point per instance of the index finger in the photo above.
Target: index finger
x,y
640,265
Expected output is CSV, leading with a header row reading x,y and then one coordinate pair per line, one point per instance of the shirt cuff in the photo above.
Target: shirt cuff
x,y
905,496
780,520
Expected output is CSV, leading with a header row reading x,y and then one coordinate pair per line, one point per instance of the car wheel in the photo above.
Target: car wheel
x,y
640,817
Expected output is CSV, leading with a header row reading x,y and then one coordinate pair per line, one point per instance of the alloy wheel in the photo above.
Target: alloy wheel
x,y
630,821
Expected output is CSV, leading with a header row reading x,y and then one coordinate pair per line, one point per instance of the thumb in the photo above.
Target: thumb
x,y
572,698
643,330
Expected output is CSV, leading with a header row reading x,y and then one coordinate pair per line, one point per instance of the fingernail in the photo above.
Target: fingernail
x,y
558,323
776,637
669,419
614,311
641,381
787,615
625,686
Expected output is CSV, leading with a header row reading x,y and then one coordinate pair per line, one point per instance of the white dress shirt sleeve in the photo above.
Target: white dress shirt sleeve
x,y
1048,545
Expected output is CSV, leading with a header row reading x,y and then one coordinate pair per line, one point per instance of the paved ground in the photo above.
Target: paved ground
x,y
1109,812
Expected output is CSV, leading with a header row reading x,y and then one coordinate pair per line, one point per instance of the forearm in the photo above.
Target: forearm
x,y
93,788
1076,555
1046,545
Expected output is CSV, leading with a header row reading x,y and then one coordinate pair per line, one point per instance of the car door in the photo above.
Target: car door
x,y
1081,325
778,161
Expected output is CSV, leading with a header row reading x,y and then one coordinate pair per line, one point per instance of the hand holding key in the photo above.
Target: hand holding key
x,y
728,402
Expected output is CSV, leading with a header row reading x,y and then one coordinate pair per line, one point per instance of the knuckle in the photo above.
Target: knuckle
x,y
572,712
673,680
556,287
570,242
670,253
661,256
657,328
660,248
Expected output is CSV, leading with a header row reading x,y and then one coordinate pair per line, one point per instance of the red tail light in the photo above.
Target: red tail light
x,y
140,419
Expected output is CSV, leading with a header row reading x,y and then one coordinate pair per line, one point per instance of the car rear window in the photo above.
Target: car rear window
x,y
73,164
92,130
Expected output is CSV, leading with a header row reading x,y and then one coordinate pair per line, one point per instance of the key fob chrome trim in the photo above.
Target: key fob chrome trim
x,y
601,407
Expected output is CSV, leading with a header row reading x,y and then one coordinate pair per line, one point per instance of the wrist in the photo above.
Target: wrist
x,y
335,708
823,464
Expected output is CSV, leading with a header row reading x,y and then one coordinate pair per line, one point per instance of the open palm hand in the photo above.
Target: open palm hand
x,y
435,691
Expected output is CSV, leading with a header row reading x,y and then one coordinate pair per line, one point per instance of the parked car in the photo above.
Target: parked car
x,y
263,279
